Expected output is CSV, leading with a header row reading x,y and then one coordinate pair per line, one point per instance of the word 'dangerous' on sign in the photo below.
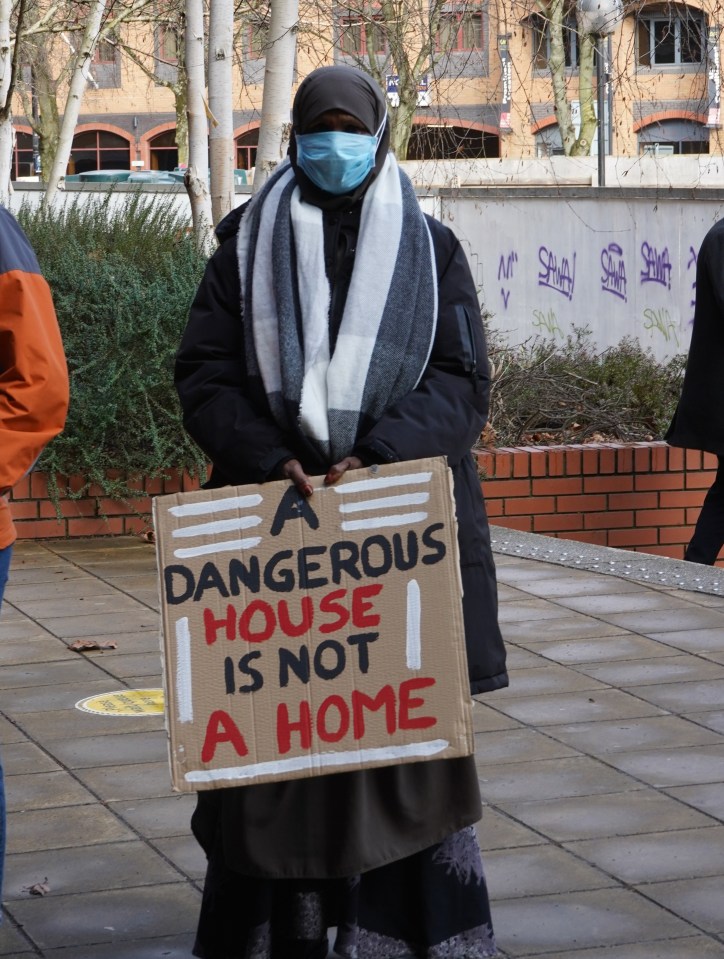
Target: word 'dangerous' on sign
x,y
304,637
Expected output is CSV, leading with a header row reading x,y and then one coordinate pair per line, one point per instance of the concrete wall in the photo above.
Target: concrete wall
x,y
547,260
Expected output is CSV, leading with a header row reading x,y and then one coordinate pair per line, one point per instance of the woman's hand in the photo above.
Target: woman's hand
x,y
292,470
337,471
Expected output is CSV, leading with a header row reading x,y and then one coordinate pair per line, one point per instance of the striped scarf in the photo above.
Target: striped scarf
x,y
389,318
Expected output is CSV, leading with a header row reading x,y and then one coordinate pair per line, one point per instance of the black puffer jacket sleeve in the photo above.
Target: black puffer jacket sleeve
x,y
447,411
243,442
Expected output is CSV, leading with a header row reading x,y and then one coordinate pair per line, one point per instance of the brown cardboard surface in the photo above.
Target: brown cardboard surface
x,y
304,637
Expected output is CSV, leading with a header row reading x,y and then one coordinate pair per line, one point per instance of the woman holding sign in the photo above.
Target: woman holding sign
x,y
337,327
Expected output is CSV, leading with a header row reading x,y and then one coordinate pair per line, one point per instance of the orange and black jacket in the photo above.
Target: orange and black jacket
x,y
33,372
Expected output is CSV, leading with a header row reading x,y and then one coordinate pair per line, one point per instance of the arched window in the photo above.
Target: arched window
x,y
99,150
22,156
164,152
246,145
430,141
674,137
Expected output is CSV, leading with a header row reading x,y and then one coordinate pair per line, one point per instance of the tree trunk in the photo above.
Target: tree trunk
x,y
589,124
75,97
221,135
275,127
6,119
197,172
182,124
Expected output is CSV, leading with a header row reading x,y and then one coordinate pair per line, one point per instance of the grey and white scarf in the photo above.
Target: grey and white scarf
x,y
389,319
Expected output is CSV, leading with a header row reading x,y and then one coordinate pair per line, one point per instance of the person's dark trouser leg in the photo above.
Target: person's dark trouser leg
x,y
708,537
4,568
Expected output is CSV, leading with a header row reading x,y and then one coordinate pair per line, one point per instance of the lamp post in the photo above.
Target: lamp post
x,y
599,19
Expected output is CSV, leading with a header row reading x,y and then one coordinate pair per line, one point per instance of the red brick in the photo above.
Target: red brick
x,y
676,459
608,520
557,522
95,527
692,515
523,523
190,483
68,507
25,509
572,504
607,461
557,486
659,458
623,538
172,482
608,484
135,525
154,485
681,498
599,537
39,486
521,464
590,461
699,480
21,490
709,461
660,517
573,462
675,534
41,529
624,460
505,488
693,460
494,507
658,481
642,459
633,500
556,462
673,551
501,465
116,507
529,506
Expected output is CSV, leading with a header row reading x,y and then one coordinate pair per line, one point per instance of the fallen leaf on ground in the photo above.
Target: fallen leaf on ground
x,y
38,888
85,645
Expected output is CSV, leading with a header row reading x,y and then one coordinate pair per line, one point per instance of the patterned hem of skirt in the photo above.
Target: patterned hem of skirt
x,y
477,943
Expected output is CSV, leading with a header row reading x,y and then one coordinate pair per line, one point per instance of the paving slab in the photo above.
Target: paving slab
x,y
601,767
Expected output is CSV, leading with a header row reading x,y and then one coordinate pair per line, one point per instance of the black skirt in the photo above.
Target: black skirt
x,y
431,905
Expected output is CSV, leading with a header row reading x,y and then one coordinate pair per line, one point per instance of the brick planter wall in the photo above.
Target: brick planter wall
x,y
641,496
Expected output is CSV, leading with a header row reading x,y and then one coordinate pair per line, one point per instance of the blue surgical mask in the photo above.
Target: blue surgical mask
x,y
337,162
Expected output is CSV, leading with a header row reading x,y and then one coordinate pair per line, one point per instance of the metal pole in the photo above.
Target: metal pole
x,y
601,95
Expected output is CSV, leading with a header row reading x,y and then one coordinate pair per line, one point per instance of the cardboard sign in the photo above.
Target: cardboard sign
x,y
304,637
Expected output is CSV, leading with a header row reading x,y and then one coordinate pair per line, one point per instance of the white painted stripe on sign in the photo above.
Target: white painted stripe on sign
x,y
414,616
216,506
378,522
318,761
383,482
385,502
217,526
184,695
224,547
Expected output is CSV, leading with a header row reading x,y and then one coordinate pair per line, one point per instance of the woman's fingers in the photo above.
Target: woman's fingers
x,y
292,470
339,469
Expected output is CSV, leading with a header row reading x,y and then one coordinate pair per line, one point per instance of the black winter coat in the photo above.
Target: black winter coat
x,y
444,415
698,423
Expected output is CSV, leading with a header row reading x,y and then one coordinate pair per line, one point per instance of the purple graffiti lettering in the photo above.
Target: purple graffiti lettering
x,y
657,266
506,296
560,277
693,260
505,266
613,278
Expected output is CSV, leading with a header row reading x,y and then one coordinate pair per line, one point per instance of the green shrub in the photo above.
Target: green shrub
x,y
545,392
122,285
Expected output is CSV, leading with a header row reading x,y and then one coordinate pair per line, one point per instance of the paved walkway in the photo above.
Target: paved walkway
x,y
602,766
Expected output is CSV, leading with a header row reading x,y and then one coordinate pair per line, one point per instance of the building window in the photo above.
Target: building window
x,y
22,156
99,150
167,44
674,138
460,29
361,36
105,52
257,38
163,151
246,145
673,37
541,27
447,142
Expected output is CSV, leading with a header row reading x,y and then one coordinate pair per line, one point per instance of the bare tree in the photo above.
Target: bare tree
x,y
221,136
75,96
278,75
197,173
